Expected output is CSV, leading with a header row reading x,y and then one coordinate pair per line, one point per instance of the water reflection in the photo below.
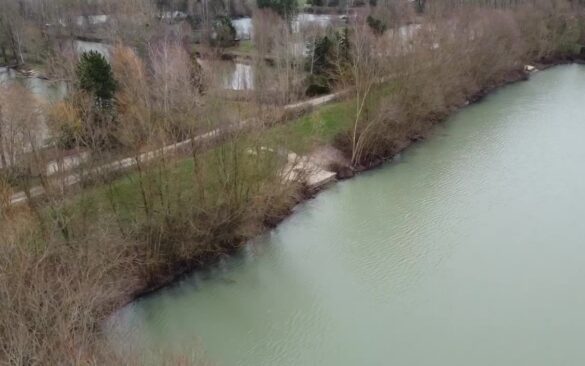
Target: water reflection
x,y
84,46
83,21
240,77
229,75
245,27
46,90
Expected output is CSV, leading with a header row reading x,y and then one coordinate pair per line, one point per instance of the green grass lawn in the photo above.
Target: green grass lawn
x,y
322,125
300,135
125,190
317,128
245,46
177,177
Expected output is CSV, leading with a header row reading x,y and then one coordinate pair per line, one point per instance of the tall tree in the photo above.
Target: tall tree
x,y
94,105
95,76
330,55
224,32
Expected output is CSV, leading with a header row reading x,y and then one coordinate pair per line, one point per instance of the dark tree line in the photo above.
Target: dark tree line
x,y
330,55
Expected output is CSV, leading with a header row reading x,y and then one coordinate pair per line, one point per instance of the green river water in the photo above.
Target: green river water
x,y
468,250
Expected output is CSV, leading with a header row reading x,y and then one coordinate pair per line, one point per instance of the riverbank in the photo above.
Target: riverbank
x,y
514,76
412,248
165,219
346,171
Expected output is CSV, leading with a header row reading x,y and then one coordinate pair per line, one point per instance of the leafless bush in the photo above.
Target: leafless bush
x,y
55,293
447,61
275,40
21,128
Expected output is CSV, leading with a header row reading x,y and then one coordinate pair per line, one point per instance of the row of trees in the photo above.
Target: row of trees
x,y
33,31
456,55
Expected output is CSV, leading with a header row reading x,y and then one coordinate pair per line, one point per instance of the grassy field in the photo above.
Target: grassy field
x,y
124,193
317,128
245,46
321,126
300,135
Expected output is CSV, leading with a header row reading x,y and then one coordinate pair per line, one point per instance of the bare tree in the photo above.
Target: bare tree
x,y
11,31
365,71
20,124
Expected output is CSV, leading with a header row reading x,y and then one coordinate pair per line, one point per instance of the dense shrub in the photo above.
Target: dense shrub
x,y
224,32
377,26
329,53
459,54
54,292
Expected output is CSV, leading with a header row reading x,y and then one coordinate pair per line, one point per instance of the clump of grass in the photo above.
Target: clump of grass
x,y
316,128
246,46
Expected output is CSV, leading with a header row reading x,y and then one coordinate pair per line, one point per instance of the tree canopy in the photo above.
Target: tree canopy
x,y
94,74
224,32
330,53
377,26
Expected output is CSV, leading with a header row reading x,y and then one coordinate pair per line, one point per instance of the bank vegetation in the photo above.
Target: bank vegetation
x,y
73,255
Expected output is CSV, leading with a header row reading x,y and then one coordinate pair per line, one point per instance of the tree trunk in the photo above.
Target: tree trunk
x,y
14,48
2,150
4,55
